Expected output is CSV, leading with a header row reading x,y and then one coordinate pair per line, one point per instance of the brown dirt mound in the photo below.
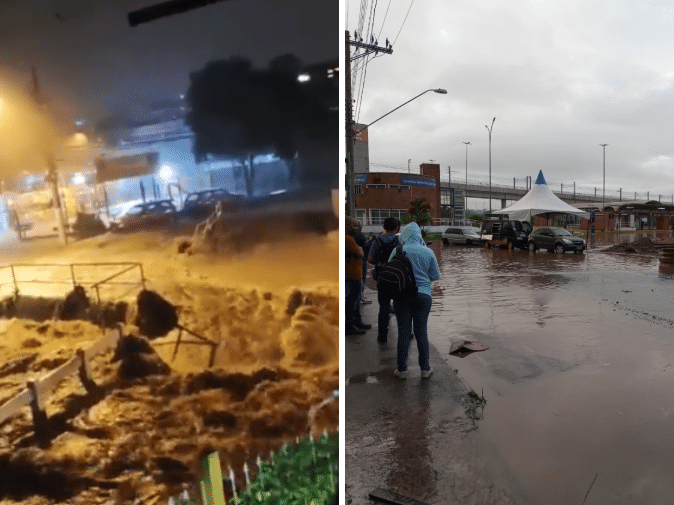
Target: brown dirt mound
x,y
641,246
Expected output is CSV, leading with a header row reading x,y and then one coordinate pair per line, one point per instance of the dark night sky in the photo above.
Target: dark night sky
x,y
92,63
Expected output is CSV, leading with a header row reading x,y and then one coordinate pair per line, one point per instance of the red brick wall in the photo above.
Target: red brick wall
x,y
398,198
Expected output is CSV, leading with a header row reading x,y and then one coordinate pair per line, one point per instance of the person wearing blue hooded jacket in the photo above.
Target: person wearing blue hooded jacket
x,y
415,310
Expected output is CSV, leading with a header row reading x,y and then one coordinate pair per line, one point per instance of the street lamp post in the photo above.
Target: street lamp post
x,y
603,193
465,197
489,130
350,136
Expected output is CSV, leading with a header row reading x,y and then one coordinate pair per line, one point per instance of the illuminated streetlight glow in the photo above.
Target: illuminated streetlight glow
x,y
304,77
166,173
79,179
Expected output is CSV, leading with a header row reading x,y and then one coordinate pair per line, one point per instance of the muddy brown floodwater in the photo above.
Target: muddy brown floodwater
x,y
274,309
579,372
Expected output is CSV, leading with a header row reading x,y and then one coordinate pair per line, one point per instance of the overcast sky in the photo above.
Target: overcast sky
x,y
560,78
92,62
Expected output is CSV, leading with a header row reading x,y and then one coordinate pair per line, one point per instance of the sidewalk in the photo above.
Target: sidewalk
x,y
413,437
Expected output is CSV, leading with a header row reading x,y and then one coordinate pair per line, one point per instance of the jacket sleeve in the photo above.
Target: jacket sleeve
x,y
433,270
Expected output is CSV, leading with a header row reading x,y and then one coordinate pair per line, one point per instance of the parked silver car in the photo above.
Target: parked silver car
x,y
461,235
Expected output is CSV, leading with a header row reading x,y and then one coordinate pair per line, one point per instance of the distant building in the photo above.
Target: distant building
x,y
383,194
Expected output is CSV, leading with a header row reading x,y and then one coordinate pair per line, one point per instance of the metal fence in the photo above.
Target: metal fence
x,y
109,280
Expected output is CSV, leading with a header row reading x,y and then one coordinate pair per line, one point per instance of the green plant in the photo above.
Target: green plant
x,y
306,473
480,400
418,211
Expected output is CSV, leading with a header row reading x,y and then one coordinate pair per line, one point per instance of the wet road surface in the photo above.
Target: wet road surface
x,y
578,379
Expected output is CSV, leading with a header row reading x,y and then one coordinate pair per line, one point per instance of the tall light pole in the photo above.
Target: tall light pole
x,y
603,193
408,165
489,130
465,197
351,131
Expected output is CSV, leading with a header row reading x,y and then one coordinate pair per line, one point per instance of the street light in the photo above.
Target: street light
x,y
352,131
603,193
489,130
438,90
466,195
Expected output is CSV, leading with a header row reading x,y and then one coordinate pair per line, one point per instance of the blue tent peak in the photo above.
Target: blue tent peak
x,y
540,179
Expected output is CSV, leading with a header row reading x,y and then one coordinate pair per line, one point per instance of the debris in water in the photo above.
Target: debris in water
x,y
464,347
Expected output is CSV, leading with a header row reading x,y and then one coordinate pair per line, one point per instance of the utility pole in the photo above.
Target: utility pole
x,y
350,169
350,207
408,165
52,174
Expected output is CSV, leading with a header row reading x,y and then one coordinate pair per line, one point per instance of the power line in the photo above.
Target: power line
x,y
382,23
401,27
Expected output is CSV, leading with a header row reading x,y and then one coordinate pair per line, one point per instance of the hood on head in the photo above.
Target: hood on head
x,y
411,234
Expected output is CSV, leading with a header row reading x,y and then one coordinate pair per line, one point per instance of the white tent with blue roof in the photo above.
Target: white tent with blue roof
x,y
540,200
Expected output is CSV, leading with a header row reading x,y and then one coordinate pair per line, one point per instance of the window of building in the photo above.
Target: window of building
x,y
377,216
398,186
375,186
360,216
358,189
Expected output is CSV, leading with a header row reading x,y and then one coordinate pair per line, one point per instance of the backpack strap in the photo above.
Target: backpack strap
x,y
399,251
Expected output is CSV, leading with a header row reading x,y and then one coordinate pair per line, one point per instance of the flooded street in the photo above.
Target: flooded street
x,y
579,368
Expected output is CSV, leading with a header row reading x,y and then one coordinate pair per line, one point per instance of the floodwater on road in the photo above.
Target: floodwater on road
x,y
579,371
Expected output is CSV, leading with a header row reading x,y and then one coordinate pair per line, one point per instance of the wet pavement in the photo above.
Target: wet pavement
x,y
577,380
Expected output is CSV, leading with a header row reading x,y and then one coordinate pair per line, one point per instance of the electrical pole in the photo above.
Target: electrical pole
x,y
408,165
350,207
350,169
52,174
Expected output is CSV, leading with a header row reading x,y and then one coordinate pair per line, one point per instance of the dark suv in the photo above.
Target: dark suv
x,y
506,232
555,239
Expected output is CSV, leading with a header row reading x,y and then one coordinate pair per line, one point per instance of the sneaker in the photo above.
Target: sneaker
x,y
363,326
354,331
425,374
400,375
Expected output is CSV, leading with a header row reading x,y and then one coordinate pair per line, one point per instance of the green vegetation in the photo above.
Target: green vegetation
x,y
480,400
418,211
306,473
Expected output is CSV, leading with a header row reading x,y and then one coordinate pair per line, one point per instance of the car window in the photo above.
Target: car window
x,y
193,197
448,230
564,233
137,210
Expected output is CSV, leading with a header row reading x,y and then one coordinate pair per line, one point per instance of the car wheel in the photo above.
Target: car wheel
x,y
532,246
468,242
559,249
445,241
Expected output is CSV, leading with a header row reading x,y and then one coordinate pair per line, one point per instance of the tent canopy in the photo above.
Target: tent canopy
x,y
540,200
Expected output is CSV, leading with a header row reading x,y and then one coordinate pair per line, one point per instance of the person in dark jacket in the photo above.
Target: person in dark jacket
x,y
378,256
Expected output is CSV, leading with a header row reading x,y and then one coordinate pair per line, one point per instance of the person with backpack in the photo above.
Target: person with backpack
x,y
414,310
380,251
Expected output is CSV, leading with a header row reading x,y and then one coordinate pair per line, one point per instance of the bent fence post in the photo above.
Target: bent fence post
x,y
40,423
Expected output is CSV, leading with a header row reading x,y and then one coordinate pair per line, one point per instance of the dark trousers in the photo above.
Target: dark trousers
x,y
352,309
384,313
413,313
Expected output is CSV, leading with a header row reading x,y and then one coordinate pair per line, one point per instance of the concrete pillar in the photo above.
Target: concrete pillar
x,y
504,203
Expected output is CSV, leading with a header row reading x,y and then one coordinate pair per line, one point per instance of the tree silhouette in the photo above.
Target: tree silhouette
x,y
241,112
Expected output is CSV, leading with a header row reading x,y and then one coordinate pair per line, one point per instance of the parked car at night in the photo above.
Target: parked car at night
x,y
461,235
200,204
145,215
555,239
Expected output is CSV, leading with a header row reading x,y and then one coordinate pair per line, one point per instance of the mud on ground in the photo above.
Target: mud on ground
x,y
643,245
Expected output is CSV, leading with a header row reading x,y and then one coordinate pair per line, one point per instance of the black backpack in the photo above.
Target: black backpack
x,y
385,250
396,279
